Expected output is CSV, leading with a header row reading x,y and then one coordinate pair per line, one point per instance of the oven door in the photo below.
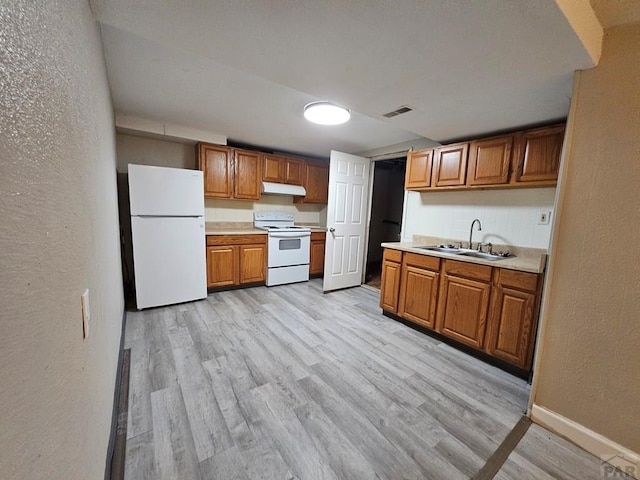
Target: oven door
x,y
288,248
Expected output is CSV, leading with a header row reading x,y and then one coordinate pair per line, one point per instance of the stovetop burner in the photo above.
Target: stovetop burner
x,y
280,221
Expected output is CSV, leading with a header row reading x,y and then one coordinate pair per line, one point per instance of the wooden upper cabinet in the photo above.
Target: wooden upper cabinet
x,y
450,165
282,169
489,161
216,163
418,174
316,183
247,173
272,168
293,171
537,155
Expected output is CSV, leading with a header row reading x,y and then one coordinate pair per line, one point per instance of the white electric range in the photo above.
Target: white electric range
x,y
288,247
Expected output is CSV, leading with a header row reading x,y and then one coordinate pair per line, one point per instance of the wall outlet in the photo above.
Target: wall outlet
x,y
85,314
543,218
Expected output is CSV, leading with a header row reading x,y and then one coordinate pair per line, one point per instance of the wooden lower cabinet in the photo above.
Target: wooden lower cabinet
x,y
253,263
236,260
222,266
512,317
488,308
419,289
463,303
390,281
316,261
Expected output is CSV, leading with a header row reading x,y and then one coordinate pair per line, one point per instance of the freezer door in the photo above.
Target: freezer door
x,y
165,192
169,260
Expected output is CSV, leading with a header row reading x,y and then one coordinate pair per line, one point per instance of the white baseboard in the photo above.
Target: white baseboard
x,y
594,443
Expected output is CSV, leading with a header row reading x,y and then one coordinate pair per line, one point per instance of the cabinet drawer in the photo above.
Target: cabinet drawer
x,y
468,270
235,239
520,280
320,236
422,261
392,255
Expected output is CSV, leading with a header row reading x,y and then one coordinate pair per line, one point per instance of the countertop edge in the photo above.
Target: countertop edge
x,y
522,264
247,231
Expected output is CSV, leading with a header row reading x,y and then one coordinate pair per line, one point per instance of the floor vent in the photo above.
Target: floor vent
x,y
398,111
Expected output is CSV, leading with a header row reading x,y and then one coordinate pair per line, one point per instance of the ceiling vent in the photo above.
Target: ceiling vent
x,y
398,111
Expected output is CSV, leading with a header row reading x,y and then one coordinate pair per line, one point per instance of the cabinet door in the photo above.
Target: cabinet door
x,y
450,165
253,263
272,168
390,286
222,266
293,171
462,309
316,262
215,163
509,333
316,183
247,175
489,161
418,174
418,293
537,155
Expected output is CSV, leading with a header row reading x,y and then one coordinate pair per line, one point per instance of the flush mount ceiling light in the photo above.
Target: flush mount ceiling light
x,y
326,113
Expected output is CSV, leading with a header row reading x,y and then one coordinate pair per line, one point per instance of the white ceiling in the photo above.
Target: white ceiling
x,y
245,68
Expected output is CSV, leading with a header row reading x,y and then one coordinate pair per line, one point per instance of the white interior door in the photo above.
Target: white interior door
x,y
346,221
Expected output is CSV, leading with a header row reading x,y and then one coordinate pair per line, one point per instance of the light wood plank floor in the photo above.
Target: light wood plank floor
x,y
288,383
541,455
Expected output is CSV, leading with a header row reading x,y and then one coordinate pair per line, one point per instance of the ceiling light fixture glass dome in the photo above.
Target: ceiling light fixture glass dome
x,y
326,113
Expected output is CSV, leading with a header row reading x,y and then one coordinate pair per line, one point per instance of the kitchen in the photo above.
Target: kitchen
x,y
577,377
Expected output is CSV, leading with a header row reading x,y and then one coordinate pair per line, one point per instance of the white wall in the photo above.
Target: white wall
x,y
508,217
222,210
58,236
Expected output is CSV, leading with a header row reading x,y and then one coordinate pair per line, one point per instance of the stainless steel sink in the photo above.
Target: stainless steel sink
x,y
483,255
464,252
440,248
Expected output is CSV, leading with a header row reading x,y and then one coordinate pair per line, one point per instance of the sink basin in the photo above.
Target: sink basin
x,y
464,251
483,255
440,248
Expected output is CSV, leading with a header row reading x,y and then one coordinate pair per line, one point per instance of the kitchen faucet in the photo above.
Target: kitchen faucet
x,y
471,231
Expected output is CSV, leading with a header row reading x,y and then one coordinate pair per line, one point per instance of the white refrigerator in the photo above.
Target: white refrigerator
x,y
167,230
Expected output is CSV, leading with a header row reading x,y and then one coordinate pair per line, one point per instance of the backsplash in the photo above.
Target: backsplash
x,y
508,217
223,210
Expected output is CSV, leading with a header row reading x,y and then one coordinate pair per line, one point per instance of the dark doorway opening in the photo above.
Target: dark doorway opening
x,y
386,213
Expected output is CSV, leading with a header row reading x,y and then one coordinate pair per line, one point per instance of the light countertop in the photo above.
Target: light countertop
x,y
244,228
527,260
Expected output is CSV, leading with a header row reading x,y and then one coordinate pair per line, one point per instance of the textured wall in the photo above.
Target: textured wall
x,y
58,236
152,151
590,350
508,217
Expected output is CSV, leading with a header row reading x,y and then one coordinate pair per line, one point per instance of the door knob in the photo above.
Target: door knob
x,y
332,229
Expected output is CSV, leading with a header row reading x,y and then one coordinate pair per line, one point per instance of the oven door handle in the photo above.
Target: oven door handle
x,y
289,234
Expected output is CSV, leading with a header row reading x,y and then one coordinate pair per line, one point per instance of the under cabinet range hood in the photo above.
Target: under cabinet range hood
x,y
271,188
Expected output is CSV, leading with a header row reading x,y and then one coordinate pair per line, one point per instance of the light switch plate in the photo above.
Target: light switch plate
x,y
85,314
